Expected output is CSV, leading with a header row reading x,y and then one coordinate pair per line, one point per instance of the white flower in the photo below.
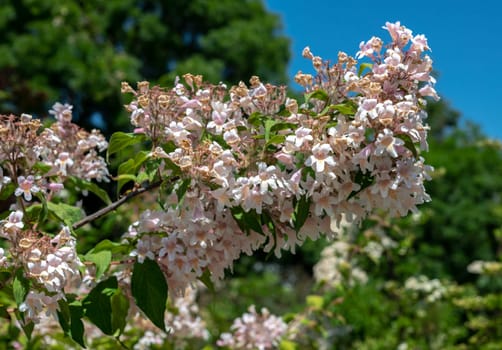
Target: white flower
x,y
26,187
320,157
4,180
63,162
386,142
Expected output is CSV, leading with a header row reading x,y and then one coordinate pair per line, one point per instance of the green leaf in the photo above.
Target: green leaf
x,y
206,279
7,191
182,189
269,123
64,316
97,305
408,143
42,215
276,140
318,95
369,135
347,108
149,289
301,212
288,345
282,126
101,259
42,167
28,329
126,173
20,286
113,247
121,140
255,119
363,67
91,187
76,324
247,220
120,308
68,214
70,318
315,301
364,180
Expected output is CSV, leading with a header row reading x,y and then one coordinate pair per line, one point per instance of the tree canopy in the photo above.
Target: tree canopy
x,y
79,52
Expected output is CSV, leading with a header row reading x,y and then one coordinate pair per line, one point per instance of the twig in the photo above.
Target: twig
x,y
115,205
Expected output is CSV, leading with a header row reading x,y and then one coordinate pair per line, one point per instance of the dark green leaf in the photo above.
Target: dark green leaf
x,y
92,187
121,140
255,119
42,168
206,279
369,135
282,126
120,308
101,259
149,289
64,316
68,214
28,329
362,179
301,212
97,305
182,189
247,220
20,286
408,143
7,191
76,324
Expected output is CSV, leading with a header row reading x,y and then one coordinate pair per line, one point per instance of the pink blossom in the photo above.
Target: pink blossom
x,y
320,157
26,187
386,142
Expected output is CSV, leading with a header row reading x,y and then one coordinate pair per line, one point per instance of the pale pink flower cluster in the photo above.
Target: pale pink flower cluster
x,y
184,319
70,150
51,262
57,266
192,241
38,159
258,170
254,330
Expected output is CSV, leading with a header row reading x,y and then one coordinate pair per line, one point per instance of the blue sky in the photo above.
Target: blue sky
x,y
465,38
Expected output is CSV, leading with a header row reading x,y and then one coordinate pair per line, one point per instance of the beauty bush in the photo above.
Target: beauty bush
x,y
232,169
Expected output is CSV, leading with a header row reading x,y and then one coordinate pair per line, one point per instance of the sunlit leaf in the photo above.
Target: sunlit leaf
x,y
66,213
121,140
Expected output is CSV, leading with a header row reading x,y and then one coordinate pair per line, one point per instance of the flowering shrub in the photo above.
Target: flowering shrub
x,y
233,170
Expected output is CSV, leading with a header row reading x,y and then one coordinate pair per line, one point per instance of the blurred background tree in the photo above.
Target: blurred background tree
x,y
80,51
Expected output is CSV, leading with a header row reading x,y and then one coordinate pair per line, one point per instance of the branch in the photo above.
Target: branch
x,y
115,205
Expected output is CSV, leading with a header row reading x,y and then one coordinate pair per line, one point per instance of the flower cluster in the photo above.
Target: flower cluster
x,y
183,320
432,289
254,331
51,263
38,159
255,169
337,267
